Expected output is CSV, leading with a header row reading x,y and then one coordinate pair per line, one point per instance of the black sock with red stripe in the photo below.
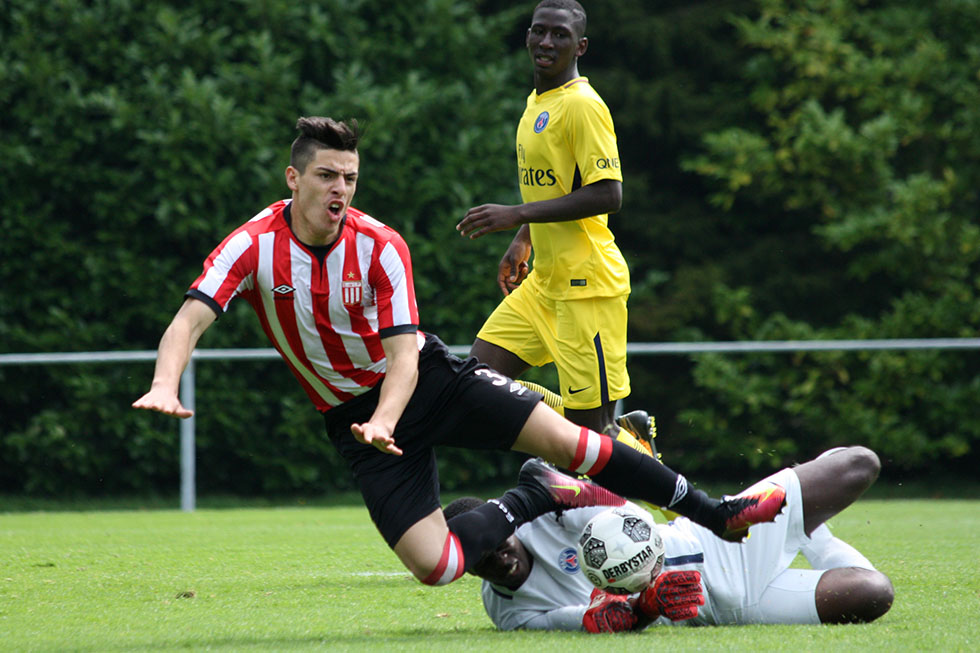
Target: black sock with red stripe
x,y
624,470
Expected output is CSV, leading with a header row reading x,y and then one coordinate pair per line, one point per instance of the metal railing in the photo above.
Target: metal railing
x,y
188,494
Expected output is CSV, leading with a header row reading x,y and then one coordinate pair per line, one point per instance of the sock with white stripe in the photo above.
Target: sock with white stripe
x,y
618,467
471,534
450,565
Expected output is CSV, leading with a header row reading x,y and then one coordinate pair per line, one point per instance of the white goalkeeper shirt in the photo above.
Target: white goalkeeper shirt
x,y
734,576
556,594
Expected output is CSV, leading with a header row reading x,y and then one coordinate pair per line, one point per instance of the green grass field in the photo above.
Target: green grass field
x,y
321,578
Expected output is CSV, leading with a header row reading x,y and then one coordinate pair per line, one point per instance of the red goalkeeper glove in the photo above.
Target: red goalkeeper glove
x,y
609,613
675,595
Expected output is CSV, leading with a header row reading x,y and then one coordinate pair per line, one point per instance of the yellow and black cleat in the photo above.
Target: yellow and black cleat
x,y
637,429
642,427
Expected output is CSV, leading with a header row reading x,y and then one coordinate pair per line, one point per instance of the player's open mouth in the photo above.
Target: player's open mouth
x,y
543,59
335,208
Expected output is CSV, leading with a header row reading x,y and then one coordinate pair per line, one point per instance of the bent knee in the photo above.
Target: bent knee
x,y
430,551
862,468
853,595
880,594
866,460
441,574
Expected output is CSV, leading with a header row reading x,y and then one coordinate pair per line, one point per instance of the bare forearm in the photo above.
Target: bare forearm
x,y
604,196
564,618
396,390
173,354
594,199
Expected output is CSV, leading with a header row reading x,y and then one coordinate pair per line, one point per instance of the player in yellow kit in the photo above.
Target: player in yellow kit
x,y
570,308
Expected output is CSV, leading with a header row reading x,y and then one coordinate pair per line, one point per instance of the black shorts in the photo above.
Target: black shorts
x,y
456,403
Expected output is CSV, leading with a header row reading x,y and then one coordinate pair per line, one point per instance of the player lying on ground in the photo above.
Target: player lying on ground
x,y
531,581
334,292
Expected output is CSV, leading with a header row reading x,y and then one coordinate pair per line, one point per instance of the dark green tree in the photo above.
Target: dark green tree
x,y
864,154
136,135
792,170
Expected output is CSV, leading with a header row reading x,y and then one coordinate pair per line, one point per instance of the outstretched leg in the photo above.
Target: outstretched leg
x,y
832,482
627,472
636,428
467,536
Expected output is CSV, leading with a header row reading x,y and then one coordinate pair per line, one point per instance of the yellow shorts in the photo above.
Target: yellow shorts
x,y
585,338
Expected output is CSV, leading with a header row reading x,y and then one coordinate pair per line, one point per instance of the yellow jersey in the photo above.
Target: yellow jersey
x,y
566,140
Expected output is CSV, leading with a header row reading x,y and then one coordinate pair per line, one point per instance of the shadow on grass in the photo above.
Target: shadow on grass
x,y
368,639
15,503
888,487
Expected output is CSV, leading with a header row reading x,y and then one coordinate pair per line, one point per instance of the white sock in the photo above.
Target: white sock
x,y
824,551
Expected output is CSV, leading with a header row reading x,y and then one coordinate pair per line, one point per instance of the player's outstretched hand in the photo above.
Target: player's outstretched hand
x,y
609,613
165,402
674,594
377,436
488,218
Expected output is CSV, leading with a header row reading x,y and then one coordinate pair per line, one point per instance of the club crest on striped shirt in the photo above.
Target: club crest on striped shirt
x,y
350,291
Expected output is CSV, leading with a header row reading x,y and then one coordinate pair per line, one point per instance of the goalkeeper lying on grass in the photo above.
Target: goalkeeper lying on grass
x,y
533,579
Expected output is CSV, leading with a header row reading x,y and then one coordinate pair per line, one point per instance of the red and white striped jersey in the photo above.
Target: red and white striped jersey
x,y
327,320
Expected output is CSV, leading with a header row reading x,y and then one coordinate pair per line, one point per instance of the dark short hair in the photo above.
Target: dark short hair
x,y
319,133
578,12
461,505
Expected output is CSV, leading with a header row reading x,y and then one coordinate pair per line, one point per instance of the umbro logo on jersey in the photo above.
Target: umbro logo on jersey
x,y
284,291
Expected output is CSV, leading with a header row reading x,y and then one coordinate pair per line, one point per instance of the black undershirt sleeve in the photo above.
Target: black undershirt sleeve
x,y
194,293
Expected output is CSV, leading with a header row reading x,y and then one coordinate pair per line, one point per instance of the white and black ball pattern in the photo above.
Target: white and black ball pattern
x,y
620,550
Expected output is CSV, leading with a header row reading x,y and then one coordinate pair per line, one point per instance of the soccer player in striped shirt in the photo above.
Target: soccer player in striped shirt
x,y
333,291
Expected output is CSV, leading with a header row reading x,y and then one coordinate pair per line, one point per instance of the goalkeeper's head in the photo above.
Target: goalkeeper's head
x,y
508,565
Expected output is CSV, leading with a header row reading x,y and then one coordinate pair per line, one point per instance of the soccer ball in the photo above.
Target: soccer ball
x,y
620,551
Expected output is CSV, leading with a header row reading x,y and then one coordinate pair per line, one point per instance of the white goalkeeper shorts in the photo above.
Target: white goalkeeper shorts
x,y
751,582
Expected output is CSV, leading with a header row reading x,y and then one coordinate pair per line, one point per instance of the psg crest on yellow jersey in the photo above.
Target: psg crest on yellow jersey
x,y
541,122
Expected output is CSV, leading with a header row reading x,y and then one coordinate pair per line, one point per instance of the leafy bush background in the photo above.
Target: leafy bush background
x,y
794,170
